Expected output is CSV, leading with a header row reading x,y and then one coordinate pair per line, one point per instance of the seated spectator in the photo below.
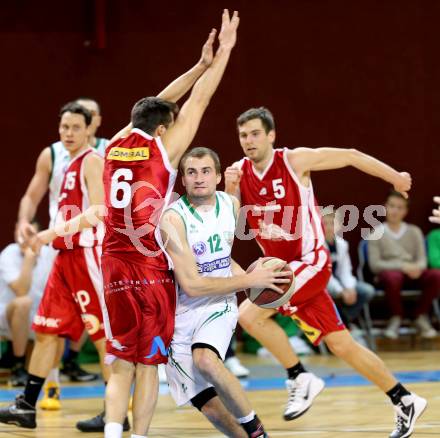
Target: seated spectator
x,y
23,276
349,293
397,256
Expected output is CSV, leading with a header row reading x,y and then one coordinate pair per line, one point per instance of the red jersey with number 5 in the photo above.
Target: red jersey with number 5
x,y
282,212
138,184
74,200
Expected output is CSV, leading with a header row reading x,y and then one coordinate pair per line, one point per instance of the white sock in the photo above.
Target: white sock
x,y
133,435
247,418
54,376
113,430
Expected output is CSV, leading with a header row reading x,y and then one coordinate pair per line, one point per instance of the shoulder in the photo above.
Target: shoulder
x,y
93,159
414,229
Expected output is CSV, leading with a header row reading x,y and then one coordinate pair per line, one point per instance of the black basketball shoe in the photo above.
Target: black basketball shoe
x,y
97,424
20,413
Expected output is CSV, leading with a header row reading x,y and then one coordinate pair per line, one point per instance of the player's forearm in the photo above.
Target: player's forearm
x,y
204,286
27,209
372,166
180,86
21,285
207,84
88,219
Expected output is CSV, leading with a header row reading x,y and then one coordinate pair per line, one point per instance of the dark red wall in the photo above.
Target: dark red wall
x,y
347,73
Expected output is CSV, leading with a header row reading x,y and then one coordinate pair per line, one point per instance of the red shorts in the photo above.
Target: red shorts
x,y
316,312
70,301
140,304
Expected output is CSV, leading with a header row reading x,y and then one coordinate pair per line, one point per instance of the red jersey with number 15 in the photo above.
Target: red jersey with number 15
x,y
74,200
282,211
138,184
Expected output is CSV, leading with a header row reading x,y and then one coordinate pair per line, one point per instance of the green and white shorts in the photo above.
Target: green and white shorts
x,y
212,324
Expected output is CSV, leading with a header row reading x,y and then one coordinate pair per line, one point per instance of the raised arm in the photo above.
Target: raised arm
x,y
93,170
180,135
35,191
185,266
305,160
180,86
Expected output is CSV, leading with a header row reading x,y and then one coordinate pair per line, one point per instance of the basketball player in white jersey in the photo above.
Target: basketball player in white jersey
x,y
200,229
48,176
276,184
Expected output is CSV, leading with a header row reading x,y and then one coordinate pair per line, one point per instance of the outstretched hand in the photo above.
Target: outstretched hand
x,y
207,50
403,184
435,218
228,32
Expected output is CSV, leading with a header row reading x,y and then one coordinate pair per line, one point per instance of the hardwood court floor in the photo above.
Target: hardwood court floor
x,y
344,411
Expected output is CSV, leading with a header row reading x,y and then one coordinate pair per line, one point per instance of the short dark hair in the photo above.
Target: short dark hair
x,y
89,99
76,108
201,152
395,194
150,112
261,113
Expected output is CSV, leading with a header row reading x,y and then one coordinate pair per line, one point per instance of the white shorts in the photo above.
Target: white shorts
x,y
213,324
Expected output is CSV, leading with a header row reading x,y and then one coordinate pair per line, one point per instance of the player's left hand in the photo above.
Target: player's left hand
x,y
207,50
435,218
228,32
40,239
403,184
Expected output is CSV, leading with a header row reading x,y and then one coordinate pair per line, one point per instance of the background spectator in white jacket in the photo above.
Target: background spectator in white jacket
x,y
23,277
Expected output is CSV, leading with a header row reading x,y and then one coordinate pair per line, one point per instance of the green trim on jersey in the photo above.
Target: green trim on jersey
x,y
194,212
191,208
52,158
99,140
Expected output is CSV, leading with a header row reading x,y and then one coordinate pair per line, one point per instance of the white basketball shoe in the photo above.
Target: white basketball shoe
x,y
302,391
408,410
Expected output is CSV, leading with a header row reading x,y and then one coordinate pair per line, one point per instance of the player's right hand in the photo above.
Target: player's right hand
x,y
403,184
207,51
24,232
269,277
232,179
228,32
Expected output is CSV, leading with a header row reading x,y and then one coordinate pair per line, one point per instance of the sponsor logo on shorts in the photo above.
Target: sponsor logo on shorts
x,y
91,323
128,154
46,322
199,248
214,265
156,347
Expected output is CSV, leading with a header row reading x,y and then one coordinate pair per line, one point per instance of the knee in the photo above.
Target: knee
x,y
46,340
247,318
340,345
206,361
391,277
22,305
432,276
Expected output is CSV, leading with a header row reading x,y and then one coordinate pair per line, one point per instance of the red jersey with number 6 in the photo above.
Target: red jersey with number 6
x,y
138,184
73,201
282,212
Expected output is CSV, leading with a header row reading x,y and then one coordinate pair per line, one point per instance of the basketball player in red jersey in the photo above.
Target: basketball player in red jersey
x,y
276,187
139,290
71,298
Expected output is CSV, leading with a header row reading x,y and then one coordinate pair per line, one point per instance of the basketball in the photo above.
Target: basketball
x,y
268,298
